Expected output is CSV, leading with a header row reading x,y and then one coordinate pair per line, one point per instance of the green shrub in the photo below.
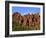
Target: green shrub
x,y
21,27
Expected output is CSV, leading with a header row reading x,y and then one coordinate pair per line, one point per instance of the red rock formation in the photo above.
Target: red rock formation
x,y
33,19
16,17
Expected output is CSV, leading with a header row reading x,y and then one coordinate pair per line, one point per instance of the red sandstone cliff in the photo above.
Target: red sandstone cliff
x,y
33,19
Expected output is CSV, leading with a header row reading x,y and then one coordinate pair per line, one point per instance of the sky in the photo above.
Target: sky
x,y
25,10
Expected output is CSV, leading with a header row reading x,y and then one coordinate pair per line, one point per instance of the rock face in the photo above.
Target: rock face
x,y
33,19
